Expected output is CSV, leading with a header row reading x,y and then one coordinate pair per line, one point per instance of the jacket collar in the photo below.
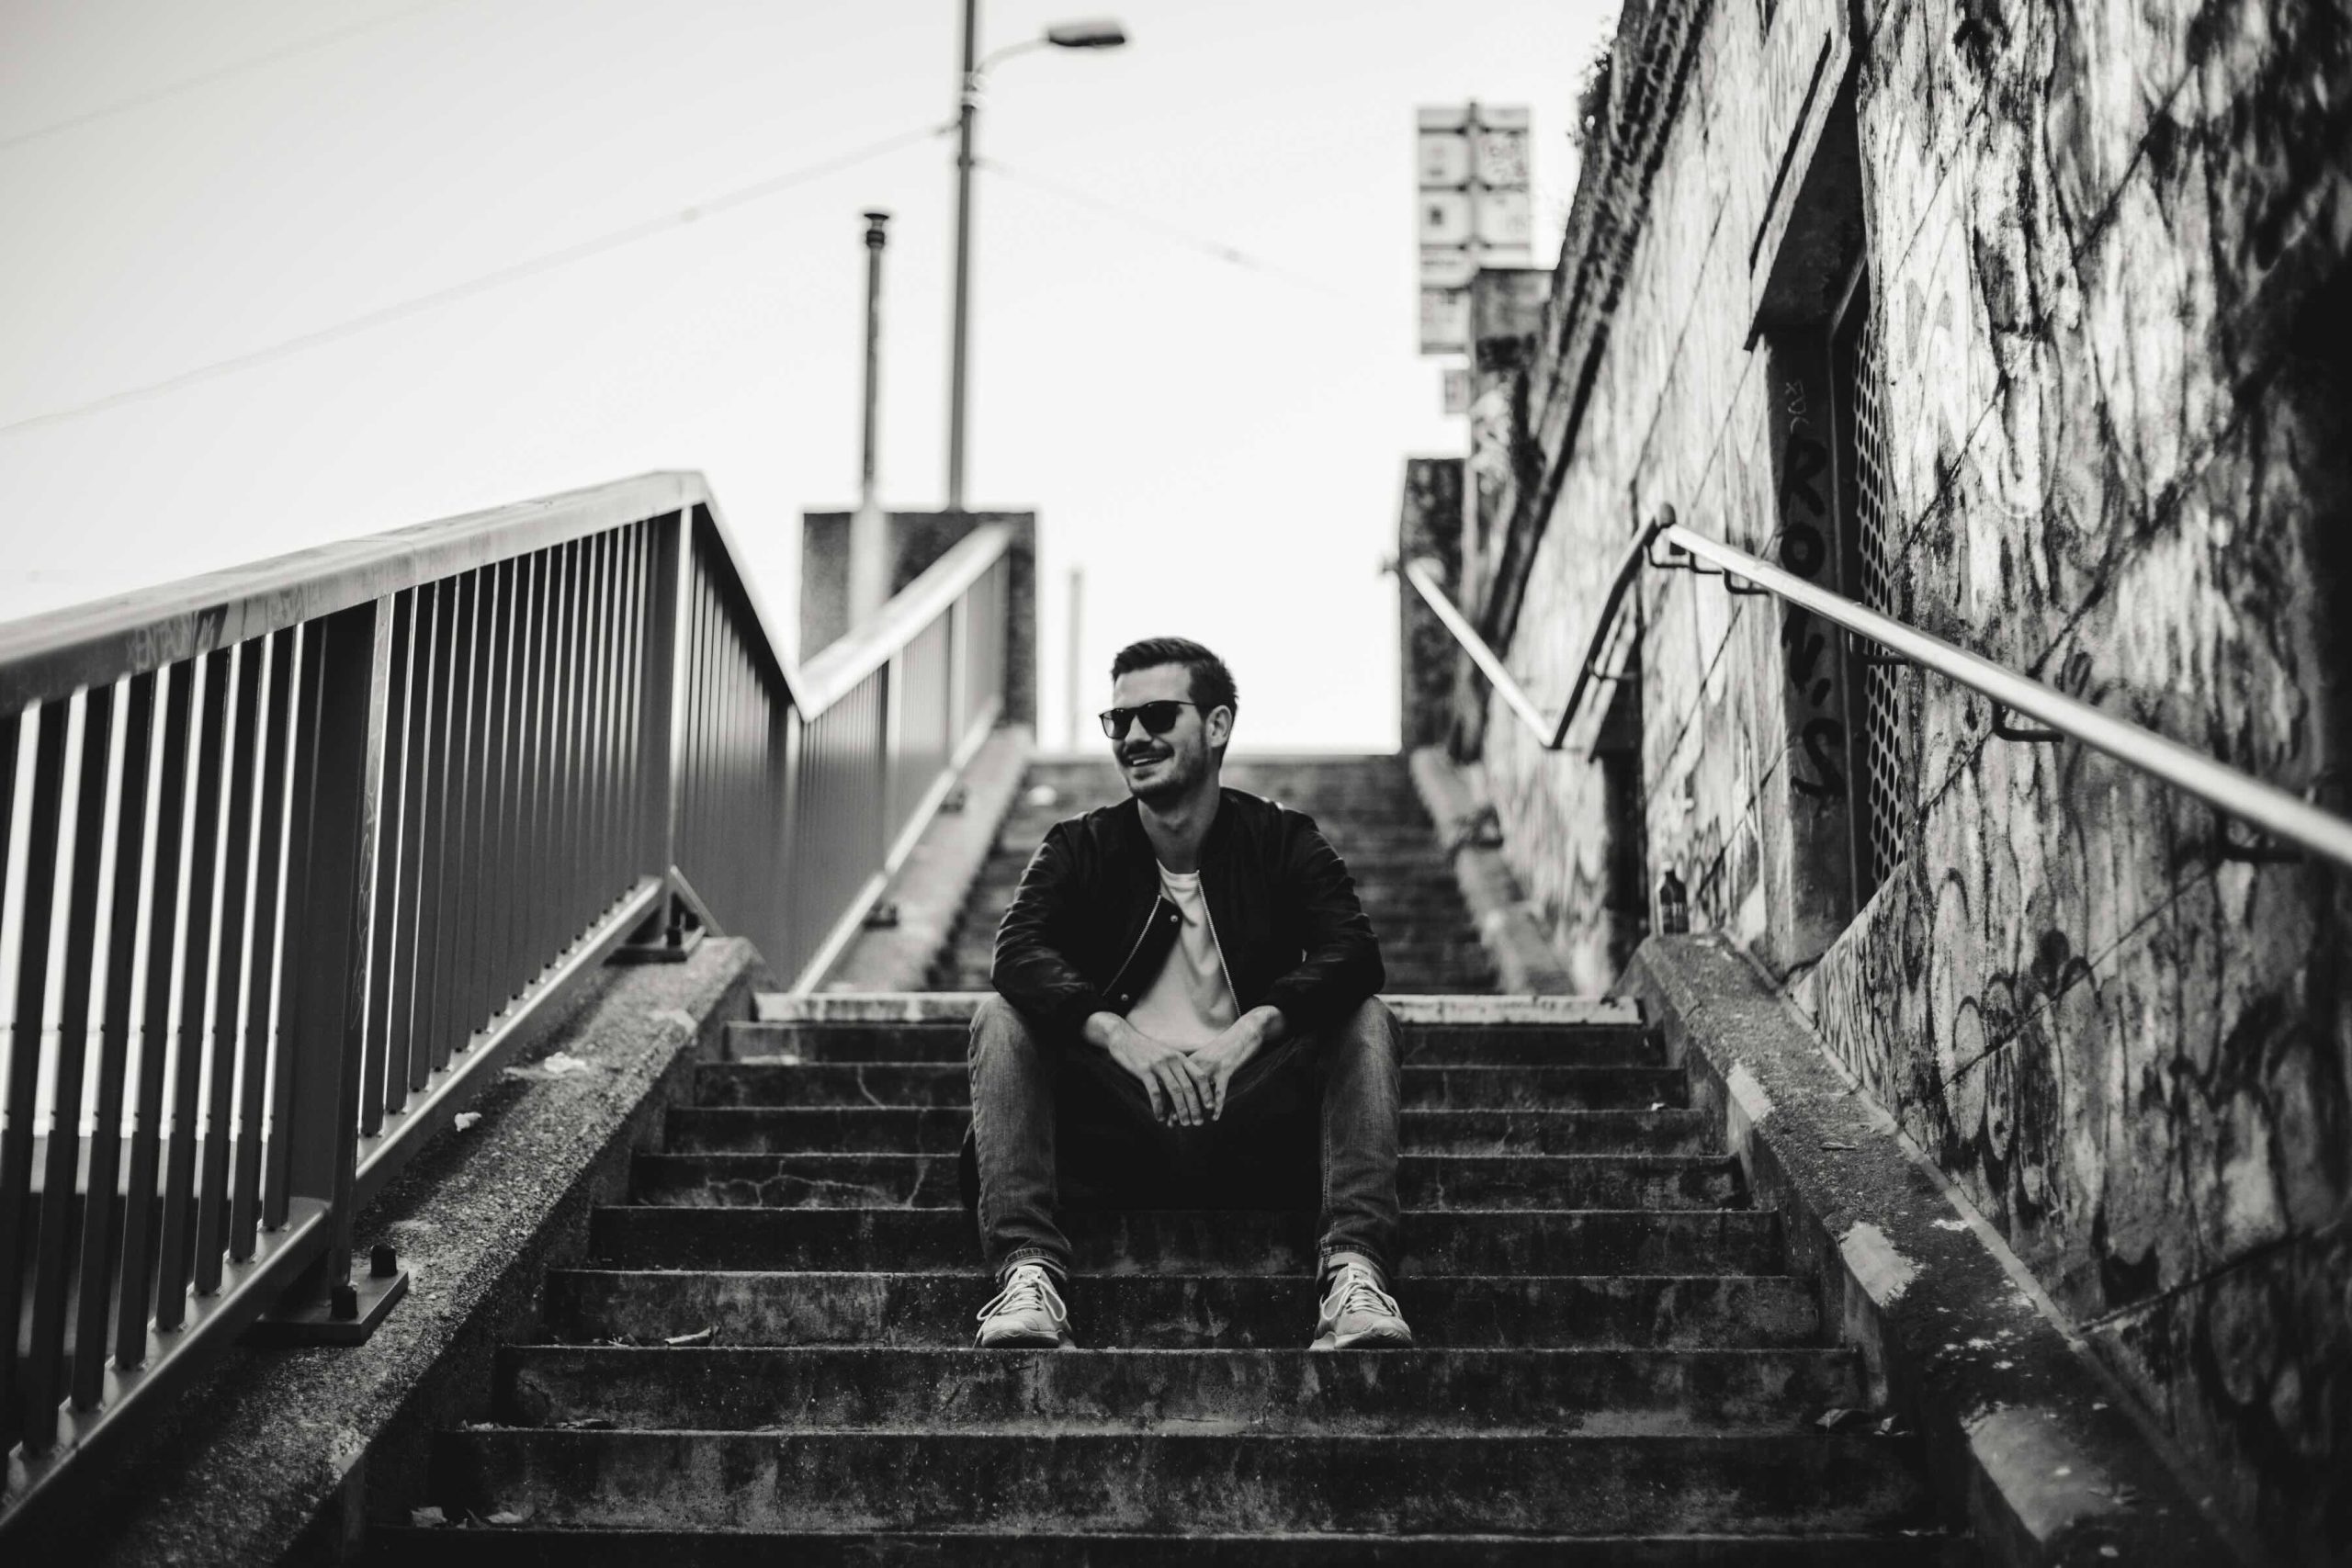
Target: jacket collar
x,y
1130,811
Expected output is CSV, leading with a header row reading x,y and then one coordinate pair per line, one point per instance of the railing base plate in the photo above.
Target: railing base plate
x,y
310,1320
659,950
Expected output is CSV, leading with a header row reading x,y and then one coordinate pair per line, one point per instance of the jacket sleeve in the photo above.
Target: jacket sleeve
x,y
1034,969
1340,964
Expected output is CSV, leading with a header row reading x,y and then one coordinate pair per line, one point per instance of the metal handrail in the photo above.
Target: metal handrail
x,y
292,856
1422,575
1553,735
2229,791
57,653
849,659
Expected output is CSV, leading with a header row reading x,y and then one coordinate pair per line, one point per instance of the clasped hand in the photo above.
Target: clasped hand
x,y
1187,1087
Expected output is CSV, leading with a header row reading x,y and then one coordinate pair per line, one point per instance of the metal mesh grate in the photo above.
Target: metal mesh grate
x,y
1884,770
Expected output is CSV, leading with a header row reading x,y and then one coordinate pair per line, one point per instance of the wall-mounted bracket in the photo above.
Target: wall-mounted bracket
x,y
1870,655
2007,731
1689,563
2228,847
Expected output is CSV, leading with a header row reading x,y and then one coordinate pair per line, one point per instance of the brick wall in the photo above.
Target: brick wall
x,y
2106,244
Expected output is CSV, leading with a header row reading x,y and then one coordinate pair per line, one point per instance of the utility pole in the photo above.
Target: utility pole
x,y
1073,679
870,545
875,240
959,363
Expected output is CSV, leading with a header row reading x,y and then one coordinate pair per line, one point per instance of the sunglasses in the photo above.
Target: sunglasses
x,y
1158,718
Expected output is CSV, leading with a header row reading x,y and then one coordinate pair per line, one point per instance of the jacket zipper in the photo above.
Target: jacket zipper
x,y
1117,989
1215,941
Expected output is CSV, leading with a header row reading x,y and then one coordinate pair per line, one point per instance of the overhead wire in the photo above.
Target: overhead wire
x,y
612,240
1233,255
207,78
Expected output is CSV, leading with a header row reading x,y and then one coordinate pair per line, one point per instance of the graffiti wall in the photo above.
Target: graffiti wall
x,y
2105,245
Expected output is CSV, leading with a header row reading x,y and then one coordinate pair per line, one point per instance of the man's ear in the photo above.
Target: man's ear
x,y
1219,726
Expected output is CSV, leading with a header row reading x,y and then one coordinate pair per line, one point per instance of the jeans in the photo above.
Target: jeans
x,y
1058,1117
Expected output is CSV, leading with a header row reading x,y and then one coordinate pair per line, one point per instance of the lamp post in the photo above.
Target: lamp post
x,y
869,570
1064,35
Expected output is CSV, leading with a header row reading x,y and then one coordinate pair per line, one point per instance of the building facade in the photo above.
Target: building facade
x,y
2027,325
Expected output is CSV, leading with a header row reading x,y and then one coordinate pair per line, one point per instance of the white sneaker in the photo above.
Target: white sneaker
x,y
1357,1313
1028,1313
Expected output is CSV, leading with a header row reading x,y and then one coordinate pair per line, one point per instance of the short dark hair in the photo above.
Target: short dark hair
x,y
1212,683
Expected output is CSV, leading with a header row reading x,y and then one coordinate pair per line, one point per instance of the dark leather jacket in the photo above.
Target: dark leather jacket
x,y
1089,928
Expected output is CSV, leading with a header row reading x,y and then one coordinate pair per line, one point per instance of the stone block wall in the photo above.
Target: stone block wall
x,y
2106,244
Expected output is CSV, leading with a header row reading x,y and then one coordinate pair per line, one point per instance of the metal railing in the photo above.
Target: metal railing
x,y
292,856
2234,794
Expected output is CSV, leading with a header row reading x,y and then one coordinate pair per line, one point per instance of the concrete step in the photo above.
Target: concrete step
x,y
1426,1088
1594,1392
1166,1312
1516,1241
959,976
968,1479
843,1129
1423,1181
1390,880
1405,962
1372,863
1423,945
401,1546
1426,1044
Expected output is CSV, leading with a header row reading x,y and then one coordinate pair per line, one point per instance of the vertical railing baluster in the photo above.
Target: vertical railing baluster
x,y
102,1221
645,692
377,1079
262,987
585,849
959,653
331,962
419,736
35,890
560,867
574,851
695,760
522,858
442,740
657,728
225,1058
452,967
624,814
619,823
790,810
176,697
530,778
498,740
292,1046
199,845
81,849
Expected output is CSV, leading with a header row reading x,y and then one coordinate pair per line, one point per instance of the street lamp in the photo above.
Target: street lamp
x,y
1099,34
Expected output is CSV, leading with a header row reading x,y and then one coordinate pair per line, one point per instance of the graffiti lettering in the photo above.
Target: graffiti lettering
x,y
1805,647
1803,550
1802,461
1823,739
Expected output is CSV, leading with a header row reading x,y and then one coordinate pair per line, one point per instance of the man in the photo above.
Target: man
x,y
1185,995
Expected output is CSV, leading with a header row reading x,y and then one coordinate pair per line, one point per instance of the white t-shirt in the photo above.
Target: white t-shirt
x,y
1190,1000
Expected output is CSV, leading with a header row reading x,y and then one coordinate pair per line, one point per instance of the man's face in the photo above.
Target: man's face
x,y
1163,767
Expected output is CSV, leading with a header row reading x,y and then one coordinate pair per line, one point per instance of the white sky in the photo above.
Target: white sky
x,y
1219,446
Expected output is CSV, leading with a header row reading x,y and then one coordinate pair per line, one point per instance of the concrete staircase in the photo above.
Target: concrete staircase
x,y
1365,806
766,1356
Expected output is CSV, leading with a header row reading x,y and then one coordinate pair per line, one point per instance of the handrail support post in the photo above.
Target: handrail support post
x,y
330,955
